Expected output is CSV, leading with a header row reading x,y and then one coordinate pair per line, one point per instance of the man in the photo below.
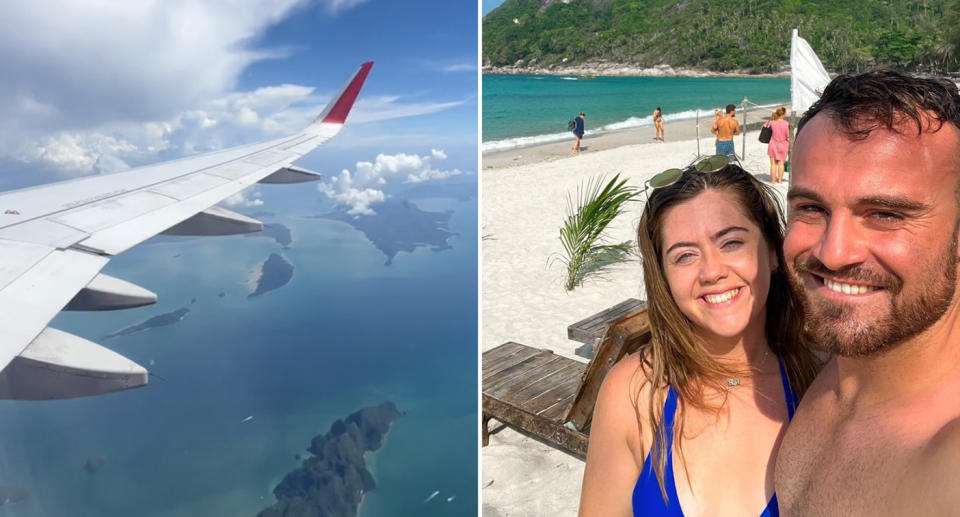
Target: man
x,y
725,129
578,132
871,248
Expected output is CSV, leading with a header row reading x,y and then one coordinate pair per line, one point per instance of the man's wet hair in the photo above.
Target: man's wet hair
x,y
730,108
884,99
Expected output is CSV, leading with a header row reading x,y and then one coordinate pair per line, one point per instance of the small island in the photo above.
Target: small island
x,y
333,480
10,496
94,464
275,273
168,318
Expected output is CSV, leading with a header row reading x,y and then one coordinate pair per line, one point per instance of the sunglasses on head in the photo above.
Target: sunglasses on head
x,y
670,176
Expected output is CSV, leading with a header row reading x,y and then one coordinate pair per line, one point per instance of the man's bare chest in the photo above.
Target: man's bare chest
x,y
848,471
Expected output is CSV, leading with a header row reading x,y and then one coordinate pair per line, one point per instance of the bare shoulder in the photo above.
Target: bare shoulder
x,y
942,454
822,386
614,454
932,478
624,393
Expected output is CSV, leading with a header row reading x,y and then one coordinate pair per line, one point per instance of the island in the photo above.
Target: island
x,y
332,481
276,231
94,464
168,318
399,225
275,273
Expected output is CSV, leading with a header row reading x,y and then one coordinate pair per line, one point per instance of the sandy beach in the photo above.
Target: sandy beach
x,y
524,201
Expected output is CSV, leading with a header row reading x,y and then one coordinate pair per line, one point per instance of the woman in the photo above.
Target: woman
x,y
717,115
726,363
658,124
779,146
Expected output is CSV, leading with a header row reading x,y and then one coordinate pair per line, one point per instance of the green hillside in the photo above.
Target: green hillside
x,y
724,35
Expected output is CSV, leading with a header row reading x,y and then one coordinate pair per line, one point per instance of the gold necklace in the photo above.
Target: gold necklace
x,y
733,382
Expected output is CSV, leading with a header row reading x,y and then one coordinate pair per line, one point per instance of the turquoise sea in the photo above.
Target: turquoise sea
x,y
521,110
348,331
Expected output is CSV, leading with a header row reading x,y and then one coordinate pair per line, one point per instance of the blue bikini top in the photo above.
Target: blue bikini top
x,y
647,500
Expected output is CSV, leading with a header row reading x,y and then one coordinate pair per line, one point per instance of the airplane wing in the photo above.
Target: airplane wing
x,y
55,239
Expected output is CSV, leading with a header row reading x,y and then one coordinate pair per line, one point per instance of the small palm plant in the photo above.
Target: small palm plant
x,y
582,234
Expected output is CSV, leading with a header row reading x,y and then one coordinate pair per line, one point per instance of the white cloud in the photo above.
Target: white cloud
x,y
362,188
89,62
244,198
390,107
459,67
336,6
431,174
133,83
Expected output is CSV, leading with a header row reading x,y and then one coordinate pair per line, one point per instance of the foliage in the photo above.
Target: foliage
x,y
582,234
725,35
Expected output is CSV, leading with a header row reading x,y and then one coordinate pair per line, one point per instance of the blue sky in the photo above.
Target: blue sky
x,y
106,86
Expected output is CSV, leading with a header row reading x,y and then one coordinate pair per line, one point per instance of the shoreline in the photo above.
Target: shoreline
x,y
684,130
609,69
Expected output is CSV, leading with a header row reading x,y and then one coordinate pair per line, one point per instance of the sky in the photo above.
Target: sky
x,y
101,86
489,5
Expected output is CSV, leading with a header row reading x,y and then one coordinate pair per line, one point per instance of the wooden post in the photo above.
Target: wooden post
x,y
698,133
743,135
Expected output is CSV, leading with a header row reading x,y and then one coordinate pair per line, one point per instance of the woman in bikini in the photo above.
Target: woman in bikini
x,y
692,423
658,124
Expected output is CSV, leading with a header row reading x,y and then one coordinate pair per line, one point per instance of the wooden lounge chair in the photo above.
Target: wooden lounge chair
x,y
591,329
550,396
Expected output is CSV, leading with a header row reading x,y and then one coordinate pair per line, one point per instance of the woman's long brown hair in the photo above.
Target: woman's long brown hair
x,y
676,356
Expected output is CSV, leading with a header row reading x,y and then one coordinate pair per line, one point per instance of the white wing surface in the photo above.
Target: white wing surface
x,y
55,239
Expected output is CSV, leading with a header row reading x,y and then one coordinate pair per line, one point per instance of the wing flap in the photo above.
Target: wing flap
x,y
189,186
18,258
37,295
130,232
44,232
104,214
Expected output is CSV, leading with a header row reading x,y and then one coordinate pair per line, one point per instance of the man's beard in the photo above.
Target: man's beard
x,y
834,327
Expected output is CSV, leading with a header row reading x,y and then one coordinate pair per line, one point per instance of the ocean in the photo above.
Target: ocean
x,y
522,110
347,331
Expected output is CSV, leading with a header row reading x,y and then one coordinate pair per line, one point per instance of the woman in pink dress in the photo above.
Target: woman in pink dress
x,y
779,146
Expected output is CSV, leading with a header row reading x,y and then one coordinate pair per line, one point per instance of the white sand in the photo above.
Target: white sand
x,y
524,300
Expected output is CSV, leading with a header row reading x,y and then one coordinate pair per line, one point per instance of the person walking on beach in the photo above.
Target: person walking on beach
x,y
578,132
725,129
779,146
871,248
658,124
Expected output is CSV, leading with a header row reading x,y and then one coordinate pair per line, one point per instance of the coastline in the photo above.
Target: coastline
x,y
613,69
524,204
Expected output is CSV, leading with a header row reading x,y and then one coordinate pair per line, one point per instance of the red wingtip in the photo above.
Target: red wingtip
x,y
341,107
